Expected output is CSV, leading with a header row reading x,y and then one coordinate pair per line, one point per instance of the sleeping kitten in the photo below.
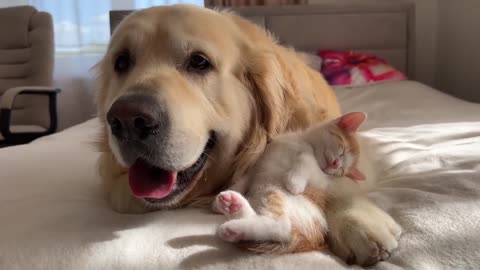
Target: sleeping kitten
x,y
336,152
275,219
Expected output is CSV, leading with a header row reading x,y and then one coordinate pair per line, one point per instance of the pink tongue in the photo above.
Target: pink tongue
x,y
149,182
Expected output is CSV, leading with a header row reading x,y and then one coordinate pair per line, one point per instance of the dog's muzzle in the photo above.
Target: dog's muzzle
x,y
141,126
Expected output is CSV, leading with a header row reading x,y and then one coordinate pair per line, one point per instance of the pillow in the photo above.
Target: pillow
x,y
350,68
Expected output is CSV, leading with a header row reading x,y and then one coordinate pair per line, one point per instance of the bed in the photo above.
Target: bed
x,y
53,215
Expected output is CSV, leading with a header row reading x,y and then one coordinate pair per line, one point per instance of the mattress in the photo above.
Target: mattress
x,y
53,215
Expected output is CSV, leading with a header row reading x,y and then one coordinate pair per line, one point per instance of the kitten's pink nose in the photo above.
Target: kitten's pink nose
x,y
334,164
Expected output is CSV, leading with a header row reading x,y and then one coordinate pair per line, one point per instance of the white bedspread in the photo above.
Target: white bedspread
x,y
52,215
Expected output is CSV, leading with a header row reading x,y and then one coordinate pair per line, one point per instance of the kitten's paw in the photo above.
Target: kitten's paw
x,y
363,237
229,202
295,183
230,233
233,205
295,187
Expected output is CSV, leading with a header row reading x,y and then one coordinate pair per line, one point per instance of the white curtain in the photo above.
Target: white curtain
x,y
82,26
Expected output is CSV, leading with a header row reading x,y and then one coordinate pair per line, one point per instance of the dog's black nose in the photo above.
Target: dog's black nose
x,y
135,117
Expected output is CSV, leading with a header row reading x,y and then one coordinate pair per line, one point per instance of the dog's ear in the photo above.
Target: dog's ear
x,y
266,79
263,71
263,75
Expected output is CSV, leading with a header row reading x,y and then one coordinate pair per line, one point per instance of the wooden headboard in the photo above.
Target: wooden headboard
x,y
383,28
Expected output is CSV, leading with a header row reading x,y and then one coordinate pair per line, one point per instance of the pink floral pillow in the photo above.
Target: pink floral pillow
x,y
350,68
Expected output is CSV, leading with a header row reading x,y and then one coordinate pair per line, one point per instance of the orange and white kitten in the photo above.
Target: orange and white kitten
x,y
287,188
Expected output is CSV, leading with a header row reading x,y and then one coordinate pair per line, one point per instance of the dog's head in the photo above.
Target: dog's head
x,y
186,95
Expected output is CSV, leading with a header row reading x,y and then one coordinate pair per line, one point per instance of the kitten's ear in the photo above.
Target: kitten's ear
x,y
355,174
351,122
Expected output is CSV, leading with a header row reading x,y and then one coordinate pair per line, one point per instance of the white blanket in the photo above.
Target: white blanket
x,y
52,215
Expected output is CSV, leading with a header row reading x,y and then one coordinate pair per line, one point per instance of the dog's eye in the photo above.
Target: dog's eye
x,y
198,62
122,62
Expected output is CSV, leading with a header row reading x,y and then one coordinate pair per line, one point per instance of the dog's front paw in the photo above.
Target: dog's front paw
x,y
363,237
122,200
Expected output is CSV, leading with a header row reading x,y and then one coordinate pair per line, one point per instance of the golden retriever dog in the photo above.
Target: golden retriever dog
x,y
189,97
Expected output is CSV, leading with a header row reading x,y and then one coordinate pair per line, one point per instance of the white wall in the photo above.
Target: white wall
x,y
73,75
425,36
426,23
458,55
447,36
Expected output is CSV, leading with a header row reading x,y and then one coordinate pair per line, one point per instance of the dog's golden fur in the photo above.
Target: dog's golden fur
x,y
257,90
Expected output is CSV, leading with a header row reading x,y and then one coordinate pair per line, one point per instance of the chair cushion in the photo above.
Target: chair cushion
x,y
14,26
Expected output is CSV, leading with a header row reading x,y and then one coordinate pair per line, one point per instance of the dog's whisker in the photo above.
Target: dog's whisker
x,y
210,157
219,147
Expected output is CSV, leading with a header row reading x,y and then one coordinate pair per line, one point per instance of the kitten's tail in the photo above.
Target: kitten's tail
x,y
265,247
298,243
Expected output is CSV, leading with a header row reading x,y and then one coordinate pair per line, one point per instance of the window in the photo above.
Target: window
x,y
82,26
